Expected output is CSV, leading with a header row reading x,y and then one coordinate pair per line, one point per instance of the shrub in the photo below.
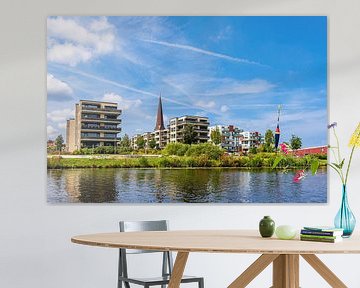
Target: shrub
x,y
143,162
164,162
256,161
213,152
190,162
203,161
228,161
178,149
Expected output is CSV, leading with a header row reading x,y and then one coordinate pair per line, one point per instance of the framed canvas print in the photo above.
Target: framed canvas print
x,y
186,109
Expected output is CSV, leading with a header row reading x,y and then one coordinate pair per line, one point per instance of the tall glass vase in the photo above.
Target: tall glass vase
x,y
345,219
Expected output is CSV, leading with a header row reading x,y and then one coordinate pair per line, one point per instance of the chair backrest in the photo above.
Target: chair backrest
x,y
133,226
137,226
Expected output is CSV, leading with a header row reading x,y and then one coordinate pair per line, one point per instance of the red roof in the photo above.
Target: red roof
x,y
322,150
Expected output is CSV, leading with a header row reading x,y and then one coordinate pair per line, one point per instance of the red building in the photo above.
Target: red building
x,y
320,150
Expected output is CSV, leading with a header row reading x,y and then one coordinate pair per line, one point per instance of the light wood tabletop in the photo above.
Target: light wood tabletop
x,y
284,254
221,241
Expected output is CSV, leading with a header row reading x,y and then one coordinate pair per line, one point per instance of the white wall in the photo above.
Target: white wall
x,y
35,248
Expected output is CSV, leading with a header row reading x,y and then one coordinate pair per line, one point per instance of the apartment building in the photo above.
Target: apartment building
x,y
160,133
147,136
230,137
161,138
174,131
249,140
178,124
95,124
70,135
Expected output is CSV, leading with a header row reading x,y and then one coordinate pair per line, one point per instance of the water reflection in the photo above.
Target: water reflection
x,y
214,185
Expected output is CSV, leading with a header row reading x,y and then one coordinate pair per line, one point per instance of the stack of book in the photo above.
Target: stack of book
x,y
321,234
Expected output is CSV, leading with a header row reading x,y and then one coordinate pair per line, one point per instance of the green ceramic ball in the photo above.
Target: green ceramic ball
x,y
285,232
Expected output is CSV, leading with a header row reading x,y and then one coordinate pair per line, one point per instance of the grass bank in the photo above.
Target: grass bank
x,y
253,161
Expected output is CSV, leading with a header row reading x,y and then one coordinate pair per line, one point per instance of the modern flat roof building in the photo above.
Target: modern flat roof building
x,y
96,124
147,137
230,137
177,125
70,135
250,140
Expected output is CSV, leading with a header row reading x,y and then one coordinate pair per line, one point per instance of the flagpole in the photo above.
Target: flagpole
x,y
277,130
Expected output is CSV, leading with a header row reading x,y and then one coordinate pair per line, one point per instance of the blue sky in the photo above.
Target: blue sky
x,y
234,70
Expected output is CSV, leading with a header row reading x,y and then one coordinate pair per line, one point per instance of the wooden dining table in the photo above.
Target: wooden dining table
x,y
283,254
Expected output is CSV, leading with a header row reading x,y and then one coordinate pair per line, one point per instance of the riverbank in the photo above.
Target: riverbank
x,y
254,161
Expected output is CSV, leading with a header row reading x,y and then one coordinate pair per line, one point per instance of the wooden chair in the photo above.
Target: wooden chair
x,y
167,262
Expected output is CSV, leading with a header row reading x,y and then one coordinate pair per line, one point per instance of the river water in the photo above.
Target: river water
x,y
213,185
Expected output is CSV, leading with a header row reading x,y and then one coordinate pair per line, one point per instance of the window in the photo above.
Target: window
x,y
90,116
110,135
90,135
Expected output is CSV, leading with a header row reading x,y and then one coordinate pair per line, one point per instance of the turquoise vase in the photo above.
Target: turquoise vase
x,y
345,219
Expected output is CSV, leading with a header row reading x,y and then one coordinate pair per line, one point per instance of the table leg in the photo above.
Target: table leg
x,y
178,269
253,270
324,271
286,271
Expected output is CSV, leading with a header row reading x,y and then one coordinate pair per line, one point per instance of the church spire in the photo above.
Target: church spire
x,y
160,117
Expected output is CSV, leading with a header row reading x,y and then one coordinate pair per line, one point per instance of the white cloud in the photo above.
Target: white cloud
x,y
62,125
231,86
58,90
224,108
51,132
202,51
123,86
61,115
202,113
191,84
123,103
69,53
204,104
223,34
71,41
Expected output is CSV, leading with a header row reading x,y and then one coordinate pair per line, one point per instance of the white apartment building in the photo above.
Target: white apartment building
x,y
177,125
249,140
230,137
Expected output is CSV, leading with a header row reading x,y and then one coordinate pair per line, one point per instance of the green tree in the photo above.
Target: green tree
x,y
215,136
262,148
152,143
125,142
269,137
189,134
59,142
295,142
140,142
269,140
253,150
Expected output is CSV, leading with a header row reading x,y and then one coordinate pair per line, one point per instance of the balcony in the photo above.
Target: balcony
x,y
107,110
102,120
193,122
93,138
202,137
94,129
201,130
